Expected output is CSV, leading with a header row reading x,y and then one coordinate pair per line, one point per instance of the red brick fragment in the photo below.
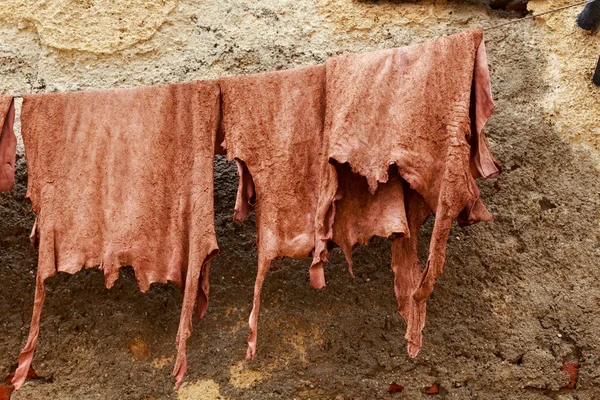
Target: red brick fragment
x,y
395,388
433,389
571,369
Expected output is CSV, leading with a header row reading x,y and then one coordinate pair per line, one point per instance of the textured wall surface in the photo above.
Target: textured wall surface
x,y
519,297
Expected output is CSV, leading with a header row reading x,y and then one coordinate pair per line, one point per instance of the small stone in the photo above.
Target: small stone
x,y
564,397
395,388
546,323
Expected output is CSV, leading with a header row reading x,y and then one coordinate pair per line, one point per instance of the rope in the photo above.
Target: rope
x,y
537,15
489,28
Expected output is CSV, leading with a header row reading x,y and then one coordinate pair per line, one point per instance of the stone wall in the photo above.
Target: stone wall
x,y
519,296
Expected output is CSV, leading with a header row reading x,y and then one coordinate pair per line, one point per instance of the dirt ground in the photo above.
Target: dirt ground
x,y
519,297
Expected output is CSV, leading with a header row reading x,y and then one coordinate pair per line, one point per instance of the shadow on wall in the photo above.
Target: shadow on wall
x,y
505,5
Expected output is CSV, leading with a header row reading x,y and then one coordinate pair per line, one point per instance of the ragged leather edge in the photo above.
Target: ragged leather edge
x,y
190,300
8,148
246,192
483,163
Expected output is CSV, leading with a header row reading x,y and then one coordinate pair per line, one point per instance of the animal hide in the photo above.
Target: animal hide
x,y
421,110
272,124
360,215
124,178
8,143
273,129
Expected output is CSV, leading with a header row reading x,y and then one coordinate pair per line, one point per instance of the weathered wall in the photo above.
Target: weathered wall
x,y
519,296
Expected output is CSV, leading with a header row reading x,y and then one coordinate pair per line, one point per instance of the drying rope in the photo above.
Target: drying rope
x,y
489,28
514,21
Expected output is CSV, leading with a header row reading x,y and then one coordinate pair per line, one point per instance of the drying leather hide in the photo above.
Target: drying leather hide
x,y
272,124
8,143
420,109
124,178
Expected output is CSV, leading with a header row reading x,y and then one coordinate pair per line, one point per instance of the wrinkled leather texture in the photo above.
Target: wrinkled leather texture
x,y
273,124
124,178
419,110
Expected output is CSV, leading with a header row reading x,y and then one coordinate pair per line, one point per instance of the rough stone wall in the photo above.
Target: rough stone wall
x,y
519,296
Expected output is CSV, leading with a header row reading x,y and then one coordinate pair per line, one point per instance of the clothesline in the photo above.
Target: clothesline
x,y
489,28
537,15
